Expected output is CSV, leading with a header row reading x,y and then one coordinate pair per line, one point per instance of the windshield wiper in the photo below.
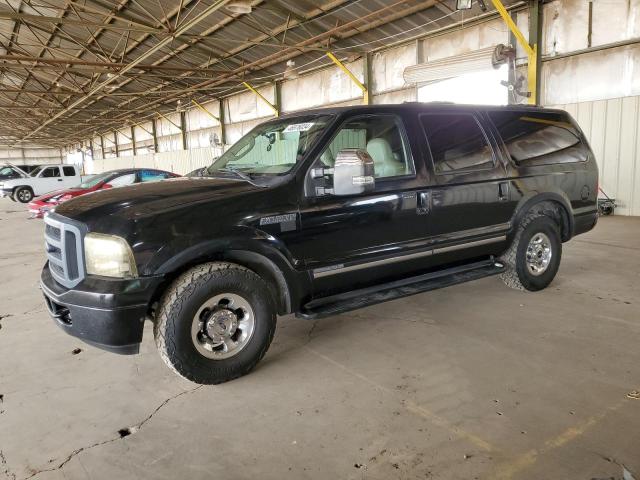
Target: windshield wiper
x,y
238,173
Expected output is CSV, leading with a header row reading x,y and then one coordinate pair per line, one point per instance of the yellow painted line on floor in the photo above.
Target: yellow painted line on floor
x,y
413,407
507,470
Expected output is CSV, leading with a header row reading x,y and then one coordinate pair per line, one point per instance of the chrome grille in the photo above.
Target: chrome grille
x,y
63,244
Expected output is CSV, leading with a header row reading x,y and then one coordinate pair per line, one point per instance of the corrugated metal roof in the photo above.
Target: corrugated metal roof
x,y
214,56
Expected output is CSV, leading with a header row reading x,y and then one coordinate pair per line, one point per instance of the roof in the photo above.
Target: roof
x,y
71,68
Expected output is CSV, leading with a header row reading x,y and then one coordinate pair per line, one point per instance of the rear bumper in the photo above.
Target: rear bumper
x,y
108,314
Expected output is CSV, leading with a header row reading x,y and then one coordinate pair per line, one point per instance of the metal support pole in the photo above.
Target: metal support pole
x,y
154,134
530,47
368,78
535,35
277,96
102,146
183,129
133,140
223,130
115,142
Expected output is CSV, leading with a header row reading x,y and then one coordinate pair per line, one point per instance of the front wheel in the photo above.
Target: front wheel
x,y
533,258
215,323
24,194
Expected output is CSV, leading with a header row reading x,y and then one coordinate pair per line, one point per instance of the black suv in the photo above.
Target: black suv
x,y
318,213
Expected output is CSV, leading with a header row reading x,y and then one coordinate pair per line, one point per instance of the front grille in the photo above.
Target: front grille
x,y
52,232
63,244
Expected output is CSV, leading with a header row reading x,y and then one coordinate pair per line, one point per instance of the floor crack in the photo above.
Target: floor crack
x,y
133,429
5,469
311,330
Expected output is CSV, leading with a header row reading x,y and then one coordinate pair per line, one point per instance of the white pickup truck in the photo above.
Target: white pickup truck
x,y
44,179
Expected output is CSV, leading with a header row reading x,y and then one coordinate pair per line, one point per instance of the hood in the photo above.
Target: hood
x,y
146,199
19,170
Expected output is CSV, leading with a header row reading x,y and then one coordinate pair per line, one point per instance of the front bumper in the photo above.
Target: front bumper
x,y
6,192
108,314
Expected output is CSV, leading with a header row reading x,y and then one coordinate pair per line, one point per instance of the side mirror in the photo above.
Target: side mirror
x,y
353,173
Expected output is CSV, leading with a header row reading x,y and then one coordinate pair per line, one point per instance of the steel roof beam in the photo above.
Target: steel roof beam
x,y
215,5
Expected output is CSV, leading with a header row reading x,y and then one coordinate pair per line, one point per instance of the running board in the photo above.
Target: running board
x,y
345,302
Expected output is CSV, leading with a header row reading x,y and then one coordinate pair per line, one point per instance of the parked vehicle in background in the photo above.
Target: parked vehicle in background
x,y
43,179
113,178
318,213
8,172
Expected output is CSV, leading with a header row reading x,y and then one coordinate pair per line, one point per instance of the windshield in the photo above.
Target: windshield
x,y
271,149
95,180
6,171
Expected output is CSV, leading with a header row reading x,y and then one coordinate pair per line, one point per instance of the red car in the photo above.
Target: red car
x,y
114,178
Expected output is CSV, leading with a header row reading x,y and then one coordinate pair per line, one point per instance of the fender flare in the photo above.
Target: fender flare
x,y
527,202
287,284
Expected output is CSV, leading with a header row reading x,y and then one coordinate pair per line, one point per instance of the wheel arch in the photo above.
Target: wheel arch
x,y
18,187
286,285
553,204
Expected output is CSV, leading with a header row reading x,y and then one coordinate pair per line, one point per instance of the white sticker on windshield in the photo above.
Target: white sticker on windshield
x,y
299,127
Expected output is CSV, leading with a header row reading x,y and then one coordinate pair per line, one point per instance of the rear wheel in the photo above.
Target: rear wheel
x,y
215,323
23,194
533,258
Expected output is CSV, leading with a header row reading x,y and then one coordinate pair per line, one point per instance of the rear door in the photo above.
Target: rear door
x,y
470,199
358,240
50,179
70,176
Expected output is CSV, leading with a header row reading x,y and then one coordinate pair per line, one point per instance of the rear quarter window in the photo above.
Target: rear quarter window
x,y
539,138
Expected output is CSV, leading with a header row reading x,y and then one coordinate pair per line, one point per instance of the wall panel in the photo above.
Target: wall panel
x,y
613,130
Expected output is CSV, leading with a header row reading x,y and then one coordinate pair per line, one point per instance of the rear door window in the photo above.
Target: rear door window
x,y
457,143
538,137
69,171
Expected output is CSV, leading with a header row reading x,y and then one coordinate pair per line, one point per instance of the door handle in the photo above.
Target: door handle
x,y
503,191
59,179
424,203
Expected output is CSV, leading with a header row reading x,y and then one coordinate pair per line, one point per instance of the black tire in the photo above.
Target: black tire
x,y
517,273
23,194
182,301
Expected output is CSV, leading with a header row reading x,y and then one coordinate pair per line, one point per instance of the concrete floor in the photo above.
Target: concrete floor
x,y
474,381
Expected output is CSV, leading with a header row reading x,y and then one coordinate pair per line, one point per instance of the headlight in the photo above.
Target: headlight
x,y
109,256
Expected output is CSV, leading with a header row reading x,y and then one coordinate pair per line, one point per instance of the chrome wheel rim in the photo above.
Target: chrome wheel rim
x,y
538,254
24,195
222,326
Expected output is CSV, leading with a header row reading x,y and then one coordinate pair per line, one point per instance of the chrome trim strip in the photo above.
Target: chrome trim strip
x,y
332,270
476,243
323,273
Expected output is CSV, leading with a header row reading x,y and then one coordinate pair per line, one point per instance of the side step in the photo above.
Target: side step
x,y
345,302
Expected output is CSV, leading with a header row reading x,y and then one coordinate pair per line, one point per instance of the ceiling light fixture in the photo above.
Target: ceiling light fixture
x,y
290,73
240,6
463,4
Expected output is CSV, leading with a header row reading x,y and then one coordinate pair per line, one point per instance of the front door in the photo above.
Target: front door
x,y
470,198
357,240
